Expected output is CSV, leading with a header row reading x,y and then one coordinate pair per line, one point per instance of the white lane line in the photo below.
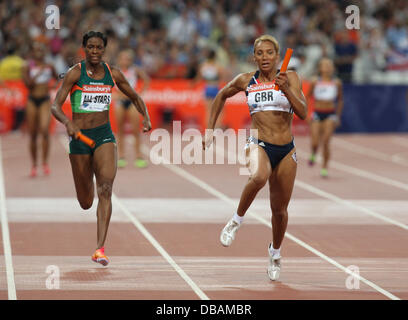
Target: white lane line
x,y
347,203
357,172
198,210
150,238
160,249
334,198
11,286
401,141
365,151
193,179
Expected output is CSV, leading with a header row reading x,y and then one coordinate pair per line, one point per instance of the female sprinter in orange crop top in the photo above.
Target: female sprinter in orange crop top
x,y
328,95
271,155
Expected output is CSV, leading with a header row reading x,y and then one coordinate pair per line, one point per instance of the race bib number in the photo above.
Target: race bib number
x,y
96,97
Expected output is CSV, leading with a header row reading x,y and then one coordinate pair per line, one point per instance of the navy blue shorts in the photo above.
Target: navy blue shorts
x,y
211,91
102,134
275,152
125,103
321,116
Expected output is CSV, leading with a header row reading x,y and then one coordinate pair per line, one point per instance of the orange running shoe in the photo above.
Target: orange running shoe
x,y
33,172
99,257
46,169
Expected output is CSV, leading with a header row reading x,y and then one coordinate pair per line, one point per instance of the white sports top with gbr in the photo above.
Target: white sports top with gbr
x,y
325,90
264,97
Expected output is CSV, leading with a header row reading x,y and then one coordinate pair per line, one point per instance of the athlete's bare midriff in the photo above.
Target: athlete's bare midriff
x,y
274,127
324,105
39,90
90,120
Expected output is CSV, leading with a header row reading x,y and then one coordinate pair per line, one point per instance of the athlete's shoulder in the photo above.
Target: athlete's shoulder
x,y
115,72
244,78
293,76
73,73
112,67
76,67
292,73
314,79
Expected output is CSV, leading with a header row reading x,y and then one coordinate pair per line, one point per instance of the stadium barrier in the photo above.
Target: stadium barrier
x,y
367,108
375,108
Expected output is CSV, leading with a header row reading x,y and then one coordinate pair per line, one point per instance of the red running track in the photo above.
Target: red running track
x,y
167,217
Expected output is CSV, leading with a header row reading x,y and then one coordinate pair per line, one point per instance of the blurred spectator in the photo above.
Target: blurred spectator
x,y
165,34
11,73
182,28
345,54
11,66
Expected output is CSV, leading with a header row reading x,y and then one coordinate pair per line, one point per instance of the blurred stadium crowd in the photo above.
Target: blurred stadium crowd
x,y
171,37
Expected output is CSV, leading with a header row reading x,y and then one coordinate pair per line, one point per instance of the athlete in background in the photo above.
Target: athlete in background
x,y
37,75
124,109
327,92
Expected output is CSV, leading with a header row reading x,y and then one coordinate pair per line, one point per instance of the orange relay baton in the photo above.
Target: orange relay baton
x,y
88,141
285,62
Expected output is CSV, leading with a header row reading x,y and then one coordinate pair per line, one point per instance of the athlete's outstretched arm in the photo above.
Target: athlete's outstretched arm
x,y
232,88
71,77
289,83
125,87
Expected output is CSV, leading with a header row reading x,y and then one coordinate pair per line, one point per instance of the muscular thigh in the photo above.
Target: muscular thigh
x,y
134,117
257,161
315,128
104,162
45,115
31,116
328,127
82,172
282,181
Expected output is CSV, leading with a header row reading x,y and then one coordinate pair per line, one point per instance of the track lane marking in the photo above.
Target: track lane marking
x,y
401,141
151,239
193,179
358,172
334,198
8,257
366,151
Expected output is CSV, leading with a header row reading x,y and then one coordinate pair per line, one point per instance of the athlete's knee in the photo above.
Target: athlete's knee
x,y
326,144
279,212
85,203
45,134
105,189
33,136
259,179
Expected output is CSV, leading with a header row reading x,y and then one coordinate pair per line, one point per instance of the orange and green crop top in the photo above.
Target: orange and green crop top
x,y
90,95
